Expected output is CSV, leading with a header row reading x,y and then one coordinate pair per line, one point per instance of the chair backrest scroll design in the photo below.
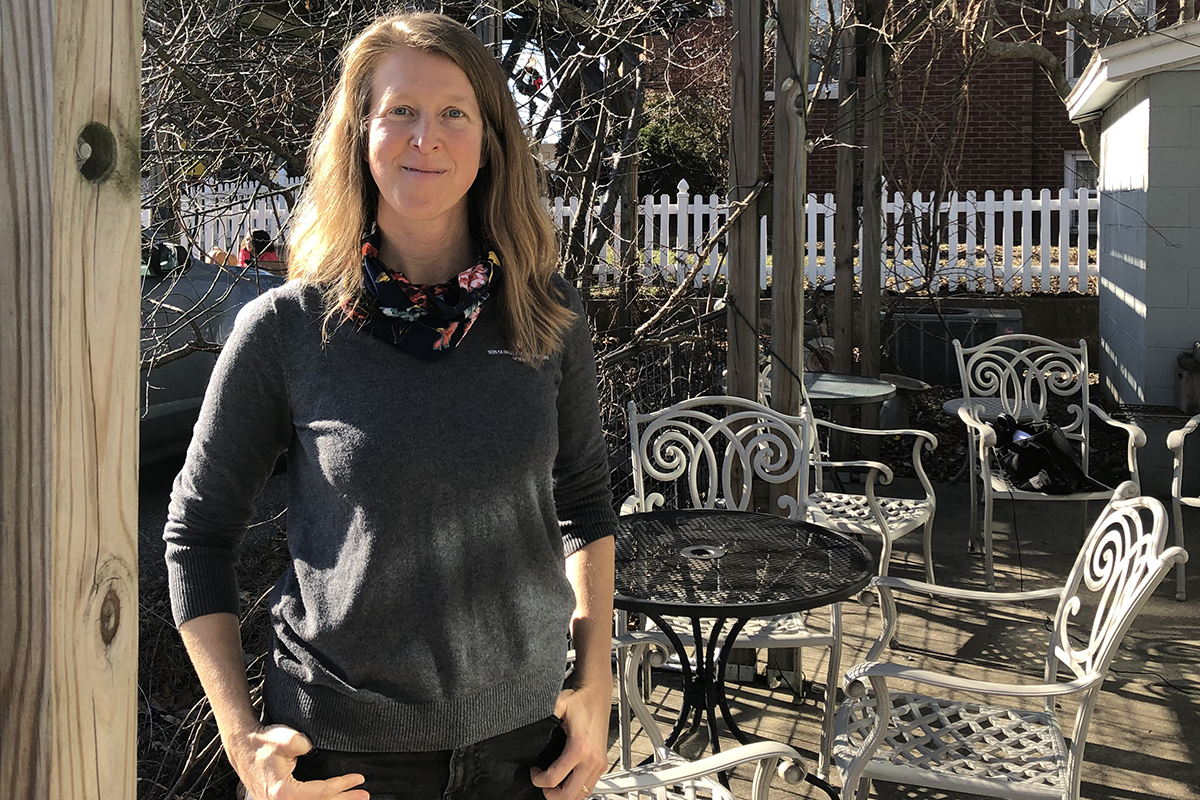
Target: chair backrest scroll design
x,y
1024,371
1120,565
711,459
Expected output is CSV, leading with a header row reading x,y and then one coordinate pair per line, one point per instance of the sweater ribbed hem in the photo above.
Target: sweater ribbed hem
x,y
336,721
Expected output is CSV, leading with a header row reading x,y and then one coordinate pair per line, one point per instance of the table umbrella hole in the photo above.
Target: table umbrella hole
x,y
705,552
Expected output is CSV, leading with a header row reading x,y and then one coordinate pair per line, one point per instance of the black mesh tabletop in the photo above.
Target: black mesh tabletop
x,y
733,564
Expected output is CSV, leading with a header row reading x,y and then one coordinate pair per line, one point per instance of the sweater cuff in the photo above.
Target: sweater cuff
x,y
201,583
587,521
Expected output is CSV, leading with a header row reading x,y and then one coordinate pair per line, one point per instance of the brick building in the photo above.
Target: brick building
x,y
1013,132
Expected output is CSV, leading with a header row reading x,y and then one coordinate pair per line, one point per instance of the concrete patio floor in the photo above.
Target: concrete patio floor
x,y
1144,741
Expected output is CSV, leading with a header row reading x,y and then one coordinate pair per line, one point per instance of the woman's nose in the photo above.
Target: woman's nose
x,y
425,135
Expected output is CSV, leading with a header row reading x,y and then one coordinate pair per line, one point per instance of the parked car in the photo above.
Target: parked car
x,y
188,309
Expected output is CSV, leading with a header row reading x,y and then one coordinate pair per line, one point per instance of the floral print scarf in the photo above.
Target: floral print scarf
x,y
424,320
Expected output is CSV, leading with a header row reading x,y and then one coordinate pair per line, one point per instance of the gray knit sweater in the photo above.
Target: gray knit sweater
x,y
430,505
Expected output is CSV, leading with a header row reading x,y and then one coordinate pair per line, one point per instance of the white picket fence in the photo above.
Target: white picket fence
x,y
989,242
222,215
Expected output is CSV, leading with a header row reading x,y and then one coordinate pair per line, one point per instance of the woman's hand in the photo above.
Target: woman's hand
x,y
265,757
584,712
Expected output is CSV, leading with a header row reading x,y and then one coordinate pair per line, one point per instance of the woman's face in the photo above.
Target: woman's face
x,y
425,141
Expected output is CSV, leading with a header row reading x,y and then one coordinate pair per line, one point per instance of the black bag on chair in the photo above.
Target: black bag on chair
x,y
1038,457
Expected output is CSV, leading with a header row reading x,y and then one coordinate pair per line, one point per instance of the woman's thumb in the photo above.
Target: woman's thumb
x,y
291,742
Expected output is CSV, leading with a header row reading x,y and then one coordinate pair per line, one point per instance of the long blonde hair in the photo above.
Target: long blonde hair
x,y
504,203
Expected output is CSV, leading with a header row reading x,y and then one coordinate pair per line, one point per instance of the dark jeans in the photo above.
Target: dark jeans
x,y
494,769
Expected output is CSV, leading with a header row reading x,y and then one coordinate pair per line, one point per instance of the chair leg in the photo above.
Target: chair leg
x,y
988,562
624,732
929,551
1180,575
973,532
832,673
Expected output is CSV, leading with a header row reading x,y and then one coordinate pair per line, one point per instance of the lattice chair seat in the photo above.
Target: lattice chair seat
x,y
851,513
759,633
961,745
975,746
867,513
1000,485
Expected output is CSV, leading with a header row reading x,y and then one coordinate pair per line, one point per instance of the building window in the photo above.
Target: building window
x,y
1080,171
1118,20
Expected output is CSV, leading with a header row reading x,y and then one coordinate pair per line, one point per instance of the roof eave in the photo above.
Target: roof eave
x,y
1113,68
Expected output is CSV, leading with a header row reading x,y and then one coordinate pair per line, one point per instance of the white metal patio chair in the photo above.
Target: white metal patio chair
x,y
667,775
867,514
705,452
1018,374
1175,443
959,745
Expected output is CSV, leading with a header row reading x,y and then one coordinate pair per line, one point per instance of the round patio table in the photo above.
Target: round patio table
x,y
728,566
834,389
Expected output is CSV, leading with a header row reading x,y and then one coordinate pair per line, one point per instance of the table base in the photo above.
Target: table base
x,y
704,689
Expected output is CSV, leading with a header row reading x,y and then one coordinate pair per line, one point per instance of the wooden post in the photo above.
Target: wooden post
x,y
845,214
874,101
787,284
872,182
625,103
69,300
787,287
745,170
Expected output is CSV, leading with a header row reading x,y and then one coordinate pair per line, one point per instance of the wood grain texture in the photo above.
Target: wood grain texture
x,y
874,106
26,63
787,285
745,169
845,217
68,373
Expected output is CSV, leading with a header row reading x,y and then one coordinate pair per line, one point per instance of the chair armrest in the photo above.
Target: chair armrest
x,y
890,614
878,466
1136,434
651,776
906,585
920,434
1175,438
634,638
857,676
970,418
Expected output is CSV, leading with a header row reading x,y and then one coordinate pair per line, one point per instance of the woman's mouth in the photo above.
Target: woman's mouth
x,y
419,171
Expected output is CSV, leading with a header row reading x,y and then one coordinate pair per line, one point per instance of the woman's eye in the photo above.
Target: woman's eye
x,y
400,111
456,113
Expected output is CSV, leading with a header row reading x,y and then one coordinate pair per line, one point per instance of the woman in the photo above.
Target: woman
x,y
433,384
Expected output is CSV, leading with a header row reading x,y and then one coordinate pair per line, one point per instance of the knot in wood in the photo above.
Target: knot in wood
x,y
110,616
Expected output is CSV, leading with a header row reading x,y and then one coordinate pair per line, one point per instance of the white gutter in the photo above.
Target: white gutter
x,y
1113,68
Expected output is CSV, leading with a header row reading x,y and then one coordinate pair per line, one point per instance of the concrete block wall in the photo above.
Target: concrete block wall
x,y
1150,236
1124,182
1173,227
